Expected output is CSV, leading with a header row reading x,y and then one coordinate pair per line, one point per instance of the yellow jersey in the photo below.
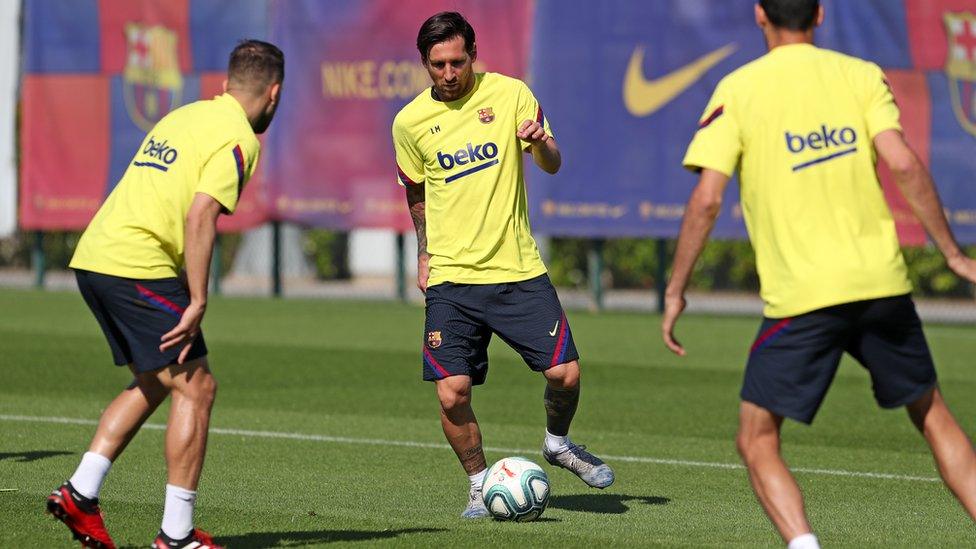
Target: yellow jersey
x,y
204,147
470,160
798,125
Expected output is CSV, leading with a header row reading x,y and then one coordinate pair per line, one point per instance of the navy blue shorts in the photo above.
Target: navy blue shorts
x,y
134,315
793,360
462,317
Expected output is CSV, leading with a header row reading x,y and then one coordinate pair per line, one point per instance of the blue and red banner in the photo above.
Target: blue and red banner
x,y
623,84
98,74
351,67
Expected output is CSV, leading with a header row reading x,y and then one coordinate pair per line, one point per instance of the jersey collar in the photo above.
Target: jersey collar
x,y
229,102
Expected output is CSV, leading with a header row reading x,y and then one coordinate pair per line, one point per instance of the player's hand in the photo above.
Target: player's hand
x,y
673,307
532,131
964,267
185,333
423,271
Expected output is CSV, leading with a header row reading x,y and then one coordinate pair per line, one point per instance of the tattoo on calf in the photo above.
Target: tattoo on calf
x,y
560,409
473,459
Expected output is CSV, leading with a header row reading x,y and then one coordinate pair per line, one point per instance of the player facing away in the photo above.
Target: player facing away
x,y
459,151
159,219
803,125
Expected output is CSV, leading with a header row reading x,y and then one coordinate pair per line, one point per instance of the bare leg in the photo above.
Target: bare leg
x,y
952,449
125,415
460,426
193,388
776,489
562,397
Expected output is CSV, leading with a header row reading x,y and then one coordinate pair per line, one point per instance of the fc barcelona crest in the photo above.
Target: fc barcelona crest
x,y
961,67
151,82
486,115
433,339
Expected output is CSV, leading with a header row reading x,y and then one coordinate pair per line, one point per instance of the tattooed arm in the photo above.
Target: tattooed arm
x,y
416,201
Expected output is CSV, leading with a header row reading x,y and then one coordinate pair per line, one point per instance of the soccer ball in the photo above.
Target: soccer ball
x,y
516,489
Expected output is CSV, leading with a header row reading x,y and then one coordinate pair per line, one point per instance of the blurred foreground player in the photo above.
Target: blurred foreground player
x,y
459,148
803,126
160,218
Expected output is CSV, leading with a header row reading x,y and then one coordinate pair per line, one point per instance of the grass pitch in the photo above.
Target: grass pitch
x,y
325,434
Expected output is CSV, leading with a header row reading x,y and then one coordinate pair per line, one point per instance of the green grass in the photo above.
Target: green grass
x,y
349,369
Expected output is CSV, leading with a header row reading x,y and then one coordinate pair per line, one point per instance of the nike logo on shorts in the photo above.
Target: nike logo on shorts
x,y
554,328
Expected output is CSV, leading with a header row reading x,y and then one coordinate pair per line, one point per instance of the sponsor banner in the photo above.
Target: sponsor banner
x,y
351,66
624,85
98,74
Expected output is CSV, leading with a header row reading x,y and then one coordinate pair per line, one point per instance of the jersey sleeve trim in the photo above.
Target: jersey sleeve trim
x,y
239,162
719,111
404,179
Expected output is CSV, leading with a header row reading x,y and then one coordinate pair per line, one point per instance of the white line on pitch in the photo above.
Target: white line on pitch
x,y
440,445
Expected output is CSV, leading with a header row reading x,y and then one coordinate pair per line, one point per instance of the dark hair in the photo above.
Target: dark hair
x,y
442,27
797,15
254,63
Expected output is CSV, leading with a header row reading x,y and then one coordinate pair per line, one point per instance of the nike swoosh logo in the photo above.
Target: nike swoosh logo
x,y
553,332
643,97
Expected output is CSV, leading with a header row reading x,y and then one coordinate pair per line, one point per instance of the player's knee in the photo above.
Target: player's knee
x,y
564,377
752,443
455,401
200,386
209,388
743,445
453,397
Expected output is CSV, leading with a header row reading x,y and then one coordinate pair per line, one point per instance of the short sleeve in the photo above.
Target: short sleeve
x,y
226,172
717,144
881,112
409,162
528,108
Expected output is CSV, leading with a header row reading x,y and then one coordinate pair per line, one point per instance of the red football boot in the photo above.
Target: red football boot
x,y
198,539
81,515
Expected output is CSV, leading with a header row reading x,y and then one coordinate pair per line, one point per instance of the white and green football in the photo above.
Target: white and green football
x,y
516,489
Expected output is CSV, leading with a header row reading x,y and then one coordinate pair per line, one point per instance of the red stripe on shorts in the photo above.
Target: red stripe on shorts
x,y
770,332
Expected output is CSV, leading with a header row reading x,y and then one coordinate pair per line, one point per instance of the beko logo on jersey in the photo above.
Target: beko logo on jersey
x,y
160,150
471,154
825,139
468,155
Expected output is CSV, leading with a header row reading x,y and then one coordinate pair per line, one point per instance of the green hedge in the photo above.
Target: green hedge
x,y
629,262
723,266
15,252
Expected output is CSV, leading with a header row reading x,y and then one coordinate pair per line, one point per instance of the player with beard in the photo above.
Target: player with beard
x,y
161,218
459,149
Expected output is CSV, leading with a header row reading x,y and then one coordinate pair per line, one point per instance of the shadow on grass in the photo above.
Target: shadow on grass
x,y
25,457
611,504
298,539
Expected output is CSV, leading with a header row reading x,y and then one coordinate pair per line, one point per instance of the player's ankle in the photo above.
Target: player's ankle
x,y
477,480
178,512
90,474
804,541
556,443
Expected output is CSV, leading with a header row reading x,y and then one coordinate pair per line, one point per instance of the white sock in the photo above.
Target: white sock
x,y
90,475
178,513
554,443
477,479
804,541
